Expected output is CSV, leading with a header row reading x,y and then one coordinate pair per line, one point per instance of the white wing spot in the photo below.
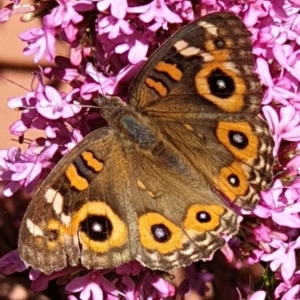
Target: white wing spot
x,y
180,45
57,200
65,219
212,29
207,57
231,66
34,229
185,50
190,51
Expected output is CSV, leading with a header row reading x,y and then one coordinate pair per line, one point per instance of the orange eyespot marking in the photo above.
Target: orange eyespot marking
x,y
239,139
57,225
222,85
170,69
158,233
54,234
219,48
157,86
203,218
76,181
98,227
232,181
91,161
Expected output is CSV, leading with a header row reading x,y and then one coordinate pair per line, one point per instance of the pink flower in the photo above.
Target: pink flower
x,y
154,287
156,10
41,281
184,9
25,170
280,89
52,105
11,263
292,194
40,41
284,126
93,286
117,7
272,205
163,288
195,281
288,289
283,257
137,46
76,137
255,256
66,12
114,27
105,85
5,13
259,295
292,293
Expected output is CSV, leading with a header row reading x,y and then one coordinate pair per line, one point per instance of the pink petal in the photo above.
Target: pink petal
x,y
11,188
92,291
262,211
283,219
289,266
271,116
291,293
264,72
5,14
292,135
103,5
18,128
259,295
118,8
165,289
138,52
280,55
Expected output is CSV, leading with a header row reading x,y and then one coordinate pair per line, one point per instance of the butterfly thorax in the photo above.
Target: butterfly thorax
x,y
140,133
128,123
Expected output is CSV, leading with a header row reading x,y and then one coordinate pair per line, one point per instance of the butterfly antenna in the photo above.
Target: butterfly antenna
x,y
13,82
101,98
21,108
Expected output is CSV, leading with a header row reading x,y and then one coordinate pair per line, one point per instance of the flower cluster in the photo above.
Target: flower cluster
x,y
109,41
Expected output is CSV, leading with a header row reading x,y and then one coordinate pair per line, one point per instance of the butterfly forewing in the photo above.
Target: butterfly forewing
x,y
207,67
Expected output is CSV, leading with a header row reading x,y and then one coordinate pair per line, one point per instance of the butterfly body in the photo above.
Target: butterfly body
x,y
155,184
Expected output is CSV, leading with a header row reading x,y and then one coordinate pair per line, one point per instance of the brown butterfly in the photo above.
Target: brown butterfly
x,y
150,185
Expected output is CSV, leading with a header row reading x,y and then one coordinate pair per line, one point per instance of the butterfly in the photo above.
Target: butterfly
x,y
160,183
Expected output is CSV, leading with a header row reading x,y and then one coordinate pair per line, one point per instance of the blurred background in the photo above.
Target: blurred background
x,y
15,80
16,73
